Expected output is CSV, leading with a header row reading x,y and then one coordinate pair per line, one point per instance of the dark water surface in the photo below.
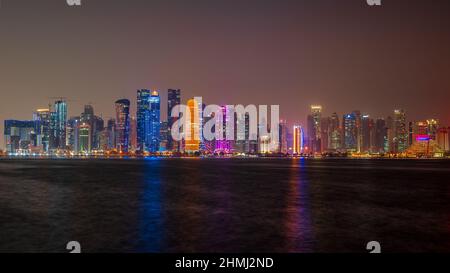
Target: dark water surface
x,y
224,205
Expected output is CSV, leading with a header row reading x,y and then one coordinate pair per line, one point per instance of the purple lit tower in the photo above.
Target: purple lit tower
x,y
224,146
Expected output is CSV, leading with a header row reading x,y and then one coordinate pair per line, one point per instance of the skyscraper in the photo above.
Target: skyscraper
x,y
173,99
142,118
122,125
84,140
60,122
111,134
400,132
380,136
44,116
297,140
359,134
192,143
367,126
153,131
314,129
72,134
96,125
283,137
350,132
334,132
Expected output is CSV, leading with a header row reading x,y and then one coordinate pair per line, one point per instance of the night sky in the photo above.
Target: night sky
x,y
341,54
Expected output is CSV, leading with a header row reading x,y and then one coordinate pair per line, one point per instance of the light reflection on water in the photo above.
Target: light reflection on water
x,y
231,205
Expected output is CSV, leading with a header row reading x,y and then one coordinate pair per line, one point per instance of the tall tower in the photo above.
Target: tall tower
x,y
297,140
60,122
153,137
400,132
142,117
192,143
122,125
314,129
334,132
350,132
173,99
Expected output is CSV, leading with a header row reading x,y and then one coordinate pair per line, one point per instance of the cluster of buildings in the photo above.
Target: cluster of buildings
x,y
359,134
142,132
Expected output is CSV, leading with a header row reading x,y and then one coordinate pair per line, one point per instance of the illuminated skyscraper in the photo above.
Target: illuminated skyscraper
x,y
359,134
60,122
44,116
314,129
192,143
367,130
95,123
297,140
153,131
350,132
173,99
443,138
122,125
224,146
400,132
84,138
334,133
283,137
142,118
72,134
111,134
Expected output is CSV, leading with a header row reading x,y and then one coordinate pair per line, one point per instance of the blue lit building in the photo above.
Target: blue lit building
x,y
142,118
350,133
22,136
152,129
60,122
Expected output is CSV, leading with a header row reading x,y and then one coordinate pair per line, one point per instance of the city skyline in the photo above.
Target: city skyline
x,y
232,53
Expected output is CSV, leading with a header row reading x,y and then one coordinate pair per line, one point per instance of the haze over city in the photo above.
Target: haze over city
x,y
345,56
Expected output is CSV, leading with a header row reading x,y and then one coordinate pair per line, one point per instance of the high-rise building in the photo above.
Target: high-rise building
x,y
44,116
142,118
443,138
359,134
390,135
334,133
133,133
22,136
60,122
297,140
192,142
380,136
122,125
173,99
164,136
350,132
95,123
325,133
224,146
367,130
84,138
283,137
111,134
400,132
314,129
153,131
72,134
